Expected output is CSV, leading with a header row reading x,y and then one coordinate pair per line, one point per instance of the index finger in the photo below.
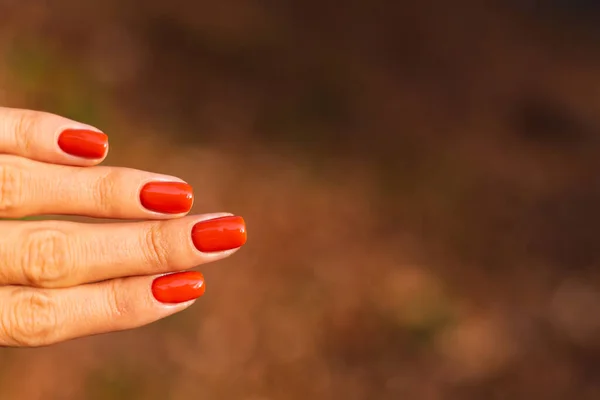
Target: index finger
x,y
50,138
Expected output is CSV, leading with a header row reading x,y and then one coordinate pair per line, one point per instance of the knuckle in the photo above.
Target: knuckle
x,y
120,304
12,179
104,192
46,258
32,320
25,123
155,247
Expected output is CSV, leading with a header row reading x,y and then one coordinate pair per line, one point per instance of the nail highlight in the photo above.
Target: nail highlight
x,y
219,234
179,287
83,143
167,197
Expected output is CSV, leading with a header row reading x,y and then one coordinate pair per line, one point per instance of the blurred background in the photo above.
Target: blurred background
x,y
419,178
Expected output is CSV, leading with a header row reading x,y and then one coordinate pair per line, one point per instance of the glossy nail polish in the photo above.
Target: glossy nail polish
x,y
167,197
179,287
219,234
83,143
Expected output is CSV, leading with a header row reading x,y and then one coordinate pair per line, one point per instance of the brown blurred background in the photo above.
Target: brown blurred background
x,y
419,178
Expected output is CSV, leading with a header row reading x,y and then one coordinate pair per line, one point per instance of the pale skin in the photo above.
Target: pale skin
x,y
61,280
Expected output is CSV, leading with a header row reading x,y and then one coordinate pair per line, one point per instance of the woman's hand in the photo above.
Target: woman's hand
x,y
61,280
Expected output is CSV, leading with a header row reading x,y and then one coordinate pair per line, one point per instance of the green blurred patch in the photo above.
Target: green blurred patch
x,y
421,314
122,383
55,82
112,383
431,319
30,65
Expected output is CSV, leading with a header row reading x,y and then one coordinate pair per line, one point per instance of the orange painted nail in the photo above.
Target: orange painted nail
x,y
83,143
167,197
179,287
219,234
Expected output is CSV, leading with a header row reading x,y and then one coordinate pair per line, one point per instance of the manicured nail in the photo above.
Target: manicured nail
x,y
83,143
179,287
219,234
167,197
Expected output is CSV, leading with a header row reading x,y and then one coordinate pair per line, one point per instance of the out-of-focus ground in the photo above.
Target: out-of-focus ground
x,y
419,178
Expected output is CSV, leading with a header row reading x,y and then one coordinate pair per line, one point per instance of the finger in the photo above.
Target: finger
x,y
33,188
50,138
32,317
55,254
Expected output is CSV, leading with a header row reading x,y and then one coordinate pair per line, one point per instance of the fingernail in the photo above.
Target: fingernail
x,y
83,143
167,197
179,287
219,234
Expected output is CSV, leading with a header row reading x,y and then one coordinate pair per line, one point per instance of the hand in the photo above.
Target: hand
x,y
61,280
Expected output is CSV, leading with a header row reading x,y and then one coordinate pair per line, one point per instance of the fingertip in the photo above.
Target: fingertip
x,y
219,234
178,288
50,138
167,198
83,145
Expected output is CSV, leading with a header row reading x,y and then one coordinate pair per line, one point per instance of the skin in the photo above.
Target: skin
x,y
62,280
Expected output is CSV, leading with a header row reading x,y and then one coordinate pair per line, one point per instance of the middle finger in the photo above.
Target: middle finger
x,y
55,254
